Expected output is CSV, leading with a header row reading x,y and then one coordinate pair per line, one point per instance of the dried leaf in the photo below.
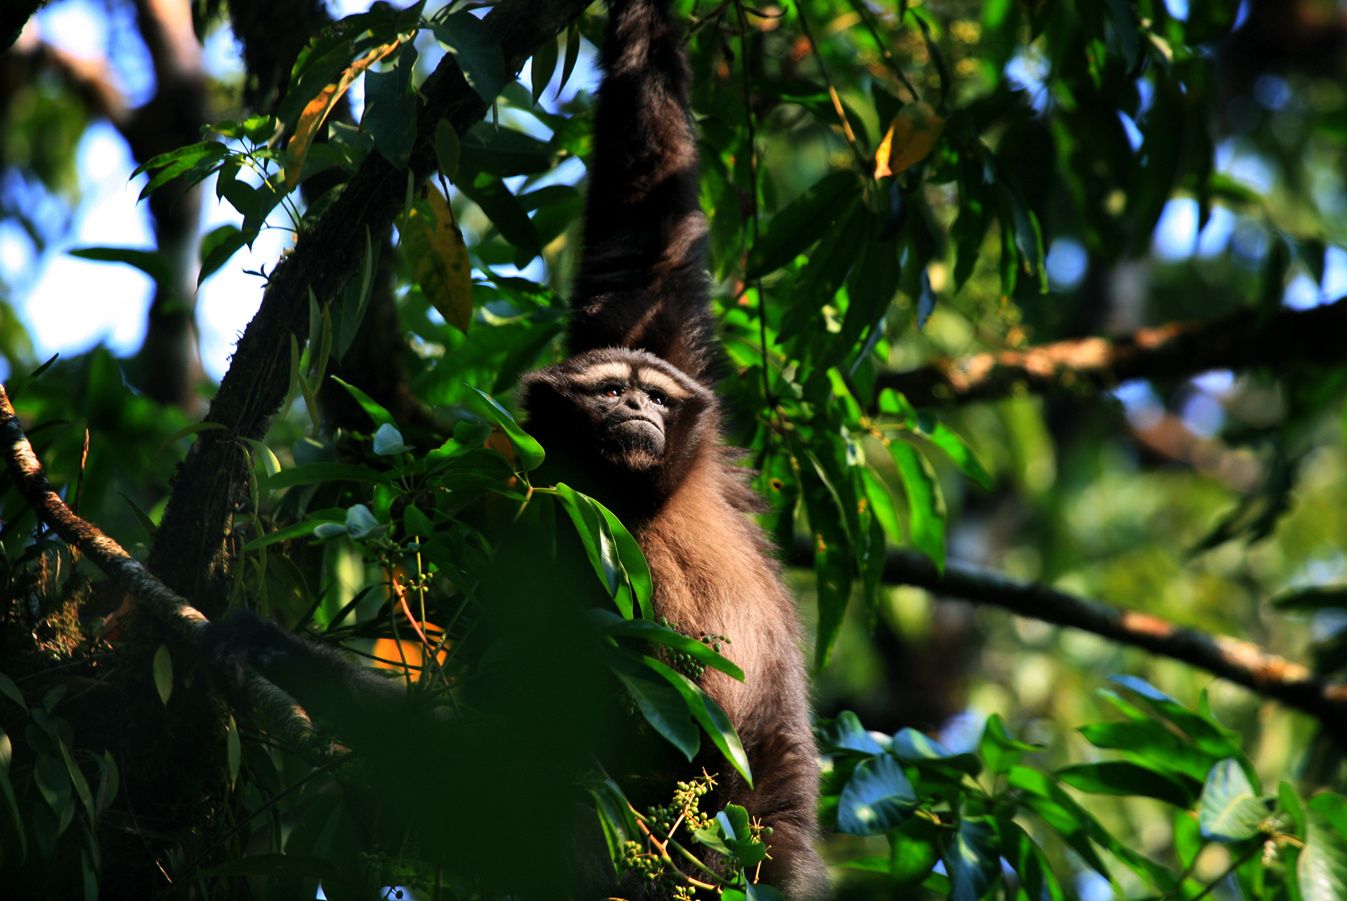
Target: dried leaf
x,y
316,111
909,140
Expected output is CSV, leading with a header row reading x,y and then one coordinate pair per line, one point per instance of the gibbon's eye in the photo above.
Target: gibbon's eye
x,y
657,397
612,390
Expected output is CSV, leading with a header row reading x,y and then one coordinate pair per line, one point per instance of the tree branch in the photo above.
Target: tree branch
x,y
284,717
1241,340
1234,659
14,15
190,551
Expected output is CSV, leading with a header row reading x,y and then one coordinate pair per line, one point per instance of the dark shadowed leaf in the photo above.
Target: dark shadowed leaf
x,y
877,798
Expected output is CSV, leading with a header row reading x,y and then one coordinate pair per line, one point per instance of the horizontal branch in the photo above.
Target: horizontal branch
x,y
286,719
189,551
1239,341
1234,659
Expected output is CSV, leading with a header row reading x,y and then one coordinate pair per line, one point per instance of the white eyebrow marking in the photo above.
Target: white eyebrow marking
x,y
605,371
653,378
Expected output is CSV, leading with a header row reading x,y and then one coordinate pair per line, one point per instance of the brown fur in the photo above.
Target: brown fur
x,y
642,302
714,574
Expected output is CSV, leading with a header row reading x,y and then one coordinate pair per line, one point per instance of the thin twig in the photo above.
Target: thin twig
x,y
847,131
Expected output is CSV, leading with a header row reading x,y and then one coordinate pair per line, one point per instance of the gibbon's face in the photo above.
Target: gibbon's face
x,y
634,405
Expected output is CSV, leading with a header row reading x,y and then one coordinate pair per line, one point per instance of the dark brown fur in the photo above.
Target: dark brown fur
x,y
642,300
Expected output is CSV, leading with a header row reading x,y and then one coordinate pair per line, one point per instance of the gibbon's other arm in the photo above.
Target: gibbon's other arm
x,y
642,281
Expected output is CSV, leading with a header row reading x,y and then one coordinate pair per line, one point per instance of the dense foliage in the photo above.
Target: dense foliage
x,y
892,189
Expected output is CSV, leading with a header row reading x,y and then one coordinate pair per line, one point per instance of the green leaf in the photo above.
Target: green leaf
x,y
847,733
663,708
925,504
388,441
1229,810
506,213
802,222
373,409
737,837
708,713
919,749
446,149
1060,811
973,859
217,246
615,816
390,108
1038,883
877,797
1321,870
150,262
544,65
315,473
360,522
11,690
504,151
1122,778
7,790
598,542
163,673
529,450
477,53
109,782
634,565
914,848
999,750
657,633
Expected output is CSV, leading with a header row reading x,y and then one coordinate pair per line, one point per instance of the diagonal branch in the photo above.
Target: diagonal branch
x,y
1234,659
1241,340
286,719
190,551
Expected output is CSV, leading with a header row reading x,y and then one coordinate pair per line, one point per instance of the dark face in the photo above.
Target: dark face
x,y
636,407
633,406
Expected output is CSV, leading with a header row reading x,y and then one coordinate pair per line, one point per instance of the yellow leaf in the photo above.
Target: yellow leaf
x,y
316,111
439,259
909,140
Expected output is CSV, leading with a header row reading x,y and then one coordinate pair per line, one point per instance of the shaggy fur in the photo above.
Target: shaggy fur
x,y
642,304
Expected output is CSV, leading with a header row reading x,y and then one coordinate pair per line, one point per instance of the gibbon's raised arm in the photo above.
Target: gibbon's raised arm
x,y
643,281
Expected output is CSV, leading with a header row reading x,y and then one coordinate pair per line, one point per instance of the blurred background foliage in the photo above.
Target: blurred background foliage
x,y
888,185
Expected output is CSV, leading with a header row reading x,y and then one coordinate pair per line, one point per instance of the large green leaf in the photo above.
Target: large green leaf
x,y
1230,810
876,799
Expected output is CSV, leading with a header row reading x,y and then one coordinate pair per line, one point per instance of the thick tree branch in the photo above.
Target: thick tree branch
x,y
1234,659
190,551
1240,341
285,718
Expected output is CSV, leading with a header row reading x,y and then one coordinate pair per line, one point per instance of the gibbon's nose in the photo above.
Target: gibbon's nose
x,y
634,400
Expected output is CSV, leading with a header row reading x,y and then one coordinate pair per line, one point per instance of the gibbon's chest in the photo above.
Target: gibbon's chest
x,y
712,576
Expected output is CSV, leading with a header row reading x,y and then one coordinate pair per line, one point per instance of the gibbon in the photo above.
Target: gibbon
x,y
632,419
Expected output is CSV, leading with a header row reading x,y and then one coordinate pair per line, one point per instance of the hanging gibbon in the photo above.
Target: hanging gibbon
x,y
633,412
631,418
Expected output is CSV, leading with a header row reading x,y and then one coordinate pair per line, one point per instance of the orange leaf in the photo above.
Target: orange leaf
x,y
316,111
910,139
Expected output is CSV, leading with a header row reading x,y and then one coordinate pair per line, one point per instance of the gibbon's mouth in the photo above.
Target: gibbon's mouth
x,y
639,425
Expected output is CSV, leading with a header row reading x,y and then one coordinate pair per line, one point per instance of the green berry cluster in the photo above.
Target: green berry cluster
x,y
635,859
686,663
686,804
